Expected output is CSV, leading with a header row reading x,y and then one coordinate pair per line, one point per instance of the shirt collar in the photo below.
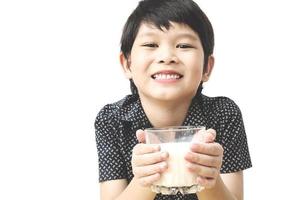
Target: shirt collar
x,y
195,116
132,111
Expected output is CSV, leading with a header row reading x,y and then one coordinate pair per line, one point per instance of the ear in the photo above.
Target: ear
x,y
210,66
125,66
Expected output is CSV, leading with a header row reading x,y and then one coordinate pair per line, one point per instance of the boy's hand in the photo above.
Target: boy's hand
x,y
148,162
205,158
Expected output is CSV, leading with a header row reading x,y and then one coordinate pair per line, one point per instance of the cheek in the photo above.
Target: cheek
x,y
196,66
197,74
193,58
195,70
141,60
198,62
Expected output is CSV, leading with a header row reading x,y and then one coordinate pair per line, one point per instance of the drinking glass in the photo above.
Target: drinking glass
x,y
176,141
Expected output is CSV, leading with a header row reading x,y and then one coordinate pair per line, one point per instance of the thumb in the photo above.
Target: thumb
x,y
140,135
210,135
205,136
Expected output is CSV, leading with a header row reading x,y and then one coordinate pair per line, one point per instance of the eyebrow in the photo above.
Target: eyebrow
x,y
180,35
187,35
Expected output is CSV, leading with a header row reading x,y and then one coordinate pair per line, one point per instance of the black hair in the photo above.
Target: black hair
x,y
160,13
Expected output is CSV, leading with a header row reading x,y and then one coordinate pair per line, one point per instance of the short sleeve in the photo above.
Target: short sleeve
x,y
110,159
233,138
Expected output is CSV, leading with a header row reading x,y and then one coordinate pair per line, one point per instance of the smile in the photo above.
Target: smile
x,y
167,76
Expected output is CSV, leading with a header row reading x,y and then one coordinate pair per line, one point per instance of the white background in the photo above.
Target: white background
x,y
59,66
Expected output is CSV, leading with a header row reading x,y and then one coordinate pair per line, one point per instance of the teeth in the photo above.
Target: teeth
x,y
166,76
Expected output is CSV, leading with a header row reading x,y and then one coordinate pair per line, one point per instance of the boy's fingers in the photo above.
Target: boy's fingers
x,y
204,136
199,136
141,149
213,149
149,159
140,135
203,159
210,135
206,182
208,172
149,180
149,170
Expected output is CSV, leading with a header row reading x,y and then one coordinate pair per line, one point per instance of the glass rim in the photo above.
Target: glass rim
x,y
175,128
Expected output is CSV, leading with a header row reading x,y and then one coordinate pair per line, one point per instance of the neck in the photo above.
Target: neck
x,y
162,114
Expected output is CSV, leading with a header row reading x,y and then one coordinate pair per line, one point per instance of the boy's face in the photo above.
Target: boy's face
x,y
166,65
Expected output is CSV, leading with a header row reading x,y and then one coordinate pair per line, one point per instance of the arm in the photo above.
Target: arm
x,y
235,159
148,162
228,186
205,159
118,190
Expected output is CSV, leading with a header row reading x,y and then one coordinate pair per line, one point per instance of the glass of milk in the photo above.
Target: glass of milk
x,y
176,141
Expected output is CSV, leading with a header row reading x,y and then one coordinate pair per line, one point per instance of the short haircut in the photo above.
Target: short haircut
x,y
160,13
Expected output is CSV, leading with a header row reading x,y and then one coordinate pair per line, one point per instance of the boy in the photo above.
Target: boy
x,y
166,53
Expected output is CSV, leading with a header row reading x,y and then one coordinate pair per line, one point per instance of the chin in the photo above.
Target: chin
x,y
172,96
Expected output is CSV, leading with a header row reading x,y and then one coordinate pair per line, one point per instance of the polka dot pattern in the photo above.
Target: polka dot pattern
x,y
117,123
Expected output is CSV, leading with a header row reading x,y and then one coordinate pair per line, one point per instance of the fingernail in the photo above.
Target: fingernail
x,y
187,155
194,146
163,165
156,147
188,165
164,155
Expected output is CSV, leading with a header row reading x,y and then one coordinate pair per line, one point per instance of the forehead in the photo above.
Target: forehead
x,y
175,30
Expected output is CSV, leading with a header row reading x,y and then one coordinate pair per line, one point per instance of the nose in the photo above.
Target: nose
x,y
167,56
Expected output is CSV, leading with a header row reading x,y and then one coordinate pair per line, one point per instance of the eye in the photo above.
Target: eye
x,y
151,45
184,46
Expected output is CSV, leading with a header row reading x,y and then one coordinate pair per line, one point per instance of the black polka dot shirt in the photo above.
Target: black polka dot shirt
x,y
117,123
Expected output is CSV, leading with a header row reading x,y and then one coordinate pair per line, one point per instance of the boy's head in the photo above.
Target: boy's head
x,y
161,13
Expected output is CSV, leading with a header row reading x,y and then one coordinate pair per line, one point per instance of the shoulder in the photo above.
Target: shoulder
x,y
222,106
111,113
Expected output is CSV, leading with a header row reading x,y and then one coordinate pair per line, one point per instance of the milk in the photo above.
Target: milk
x,y
177,174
